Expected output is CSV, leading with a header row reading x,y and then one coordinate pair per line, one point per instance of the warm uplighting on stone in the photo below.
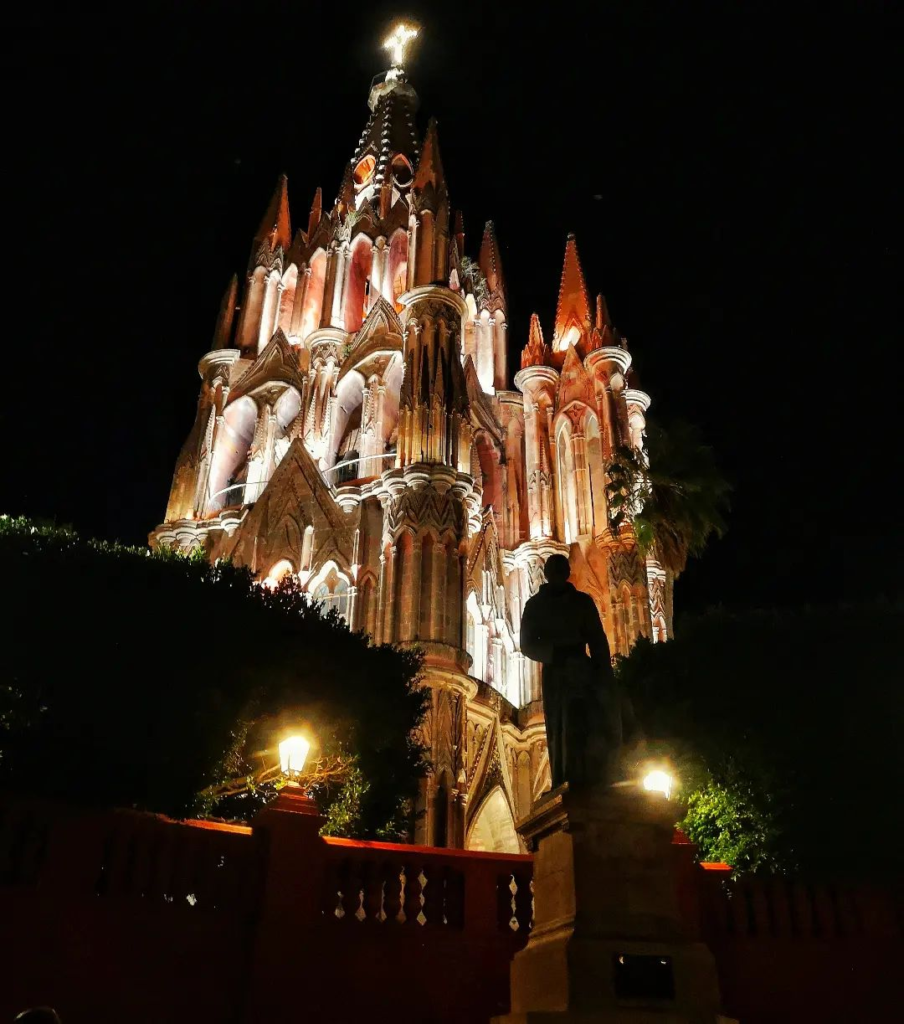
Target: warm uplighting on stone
x,y
658,781
358,432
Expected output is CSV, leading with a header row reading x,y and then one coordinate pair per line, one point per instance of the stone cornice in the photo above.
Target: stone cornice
x,y
435,293
335,335
538,375
619,358
636,397
218,357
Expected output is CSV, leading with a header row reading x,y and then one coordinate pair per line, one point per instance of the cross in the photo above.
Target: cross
x,y
396,43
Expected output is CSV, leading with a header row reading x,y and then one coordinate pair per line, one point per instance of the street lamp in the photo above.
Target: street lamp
x,y
658,781
293,752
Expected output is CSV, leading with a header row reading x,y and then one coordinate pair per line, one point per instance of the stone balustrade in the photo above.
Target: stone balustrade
x,y
126,916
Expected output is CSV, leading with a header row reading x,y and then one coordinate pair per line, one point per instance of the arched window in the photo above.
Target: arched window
x,y
364,171
278,573
594,454
348,468
356,292
401,170
398,268
229,469
565,480
332,591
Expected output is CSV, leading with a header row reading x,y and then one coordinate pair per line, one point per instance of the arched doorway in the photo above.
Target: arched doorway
x,y
493,829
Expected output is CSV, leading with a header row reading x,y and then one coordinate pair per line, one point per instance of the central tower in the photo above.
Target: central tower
x,y
355,428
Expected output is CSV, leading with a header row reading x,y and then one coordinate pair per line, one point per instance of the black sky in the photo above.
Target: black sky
x,y
728,173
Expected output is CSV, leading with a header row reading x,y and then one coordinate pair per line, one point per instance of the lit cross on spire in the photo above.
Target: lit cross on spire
x,y
398,41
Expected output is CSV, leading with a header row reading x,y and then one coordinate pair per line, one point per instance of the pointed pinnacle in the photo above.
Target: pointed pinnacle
x,y
276,227
489,260
430,166
223,331
574,302
602,313
316,211
536,331
536,351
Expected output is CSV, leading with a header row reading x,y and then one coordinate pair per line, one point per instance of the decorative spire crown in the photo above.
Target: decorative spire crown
x,y
573,318
536,352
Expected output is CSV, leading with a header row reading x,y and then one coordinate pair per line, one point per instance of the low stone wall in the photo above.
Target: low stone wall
x,y
118,916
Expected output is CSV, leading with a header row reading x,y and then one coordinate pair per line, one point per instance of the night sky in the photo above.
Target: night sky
x,y
728,174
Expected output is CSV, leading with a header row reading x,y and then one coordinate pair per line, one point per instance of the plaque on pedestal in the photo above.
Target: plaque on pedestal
x,y
608,941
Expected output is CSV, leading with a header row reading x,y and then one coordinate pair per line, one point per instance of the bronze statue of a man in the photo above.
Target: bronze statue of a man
x,y
583,717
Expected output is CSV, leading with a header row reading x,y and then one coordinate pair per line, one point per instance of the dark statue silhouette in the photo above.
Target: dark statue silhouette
x,y
580,699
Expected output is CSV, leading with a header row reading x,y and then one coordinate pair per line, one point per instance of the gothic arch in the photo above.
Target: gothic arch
x,y
492,828
332,588
278,572
357,286
490,471
253,308
313,294
366,612
346,409
233,442
396,280
596,475
287,300
565,480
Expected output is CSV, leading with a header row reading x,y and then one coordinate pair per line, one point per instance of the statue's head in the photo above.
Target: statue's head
x,y
557,569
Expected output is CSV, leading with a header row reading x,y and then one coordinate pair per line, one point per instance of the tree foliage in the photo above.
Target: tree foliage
x,y
676,499
783,728
154,680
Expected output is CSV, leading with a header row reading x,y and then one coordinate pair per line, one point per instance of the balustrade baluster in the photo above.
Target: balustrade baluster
x,y
504,901
392,891
372,883
434,894
413,889
524,901
351,891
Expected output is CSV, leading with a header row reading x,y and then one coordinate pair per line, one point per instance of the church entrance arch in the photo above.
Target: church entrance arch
x,y
493,827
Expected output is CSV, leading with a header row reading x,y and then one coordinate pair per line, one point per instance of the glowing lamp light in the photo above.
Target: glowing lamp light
x,y
293,753
658,782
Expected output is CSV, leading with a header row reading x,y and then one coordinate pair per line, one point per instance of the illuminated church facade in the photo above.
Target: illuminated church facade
x,y
357,427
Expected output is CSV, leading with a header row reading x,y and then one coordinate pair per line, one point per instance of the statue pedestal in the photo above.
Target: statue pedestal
x,y
608,942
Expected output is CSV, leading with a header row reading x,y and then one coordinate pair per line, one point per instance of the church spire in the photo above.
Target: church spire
x,y
276,227
489,260
430,167
573,310
387,151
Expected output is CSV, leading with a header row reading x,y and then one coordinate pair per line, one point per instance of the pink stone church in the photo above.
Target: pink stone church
x,y
358,427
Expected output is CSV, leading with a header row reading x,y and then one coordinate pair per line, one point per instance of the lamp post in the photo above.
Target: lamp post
x,y
293,752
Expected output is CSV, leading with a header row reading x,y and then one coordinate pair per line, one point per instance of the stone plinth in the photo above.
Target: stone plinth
x,y
608,942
